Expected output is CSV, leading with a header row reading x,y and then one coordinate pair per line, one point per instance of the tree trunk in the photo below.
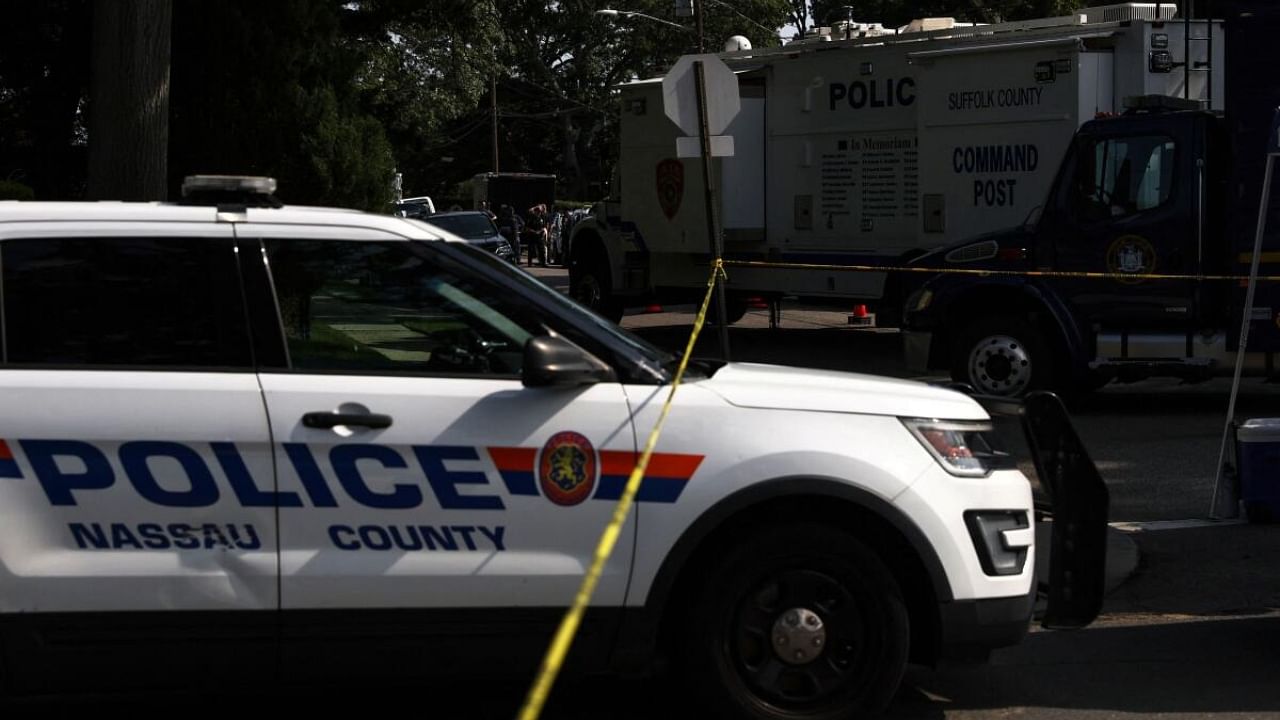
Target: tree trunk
x,y
129,100
569,149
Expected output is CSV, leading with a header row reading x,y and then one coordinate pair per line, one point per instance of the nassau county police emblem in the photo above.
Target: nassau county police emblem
x,y
567,468
1131,255
670,178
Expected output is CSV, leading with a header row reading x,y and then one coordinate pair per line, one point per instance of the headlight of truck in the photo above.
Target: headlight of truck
x,y
984,250
963,448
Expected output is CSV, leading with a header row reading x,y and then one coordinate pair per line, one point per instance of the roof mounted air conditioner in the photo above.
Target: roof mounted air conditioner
x,y
1130,11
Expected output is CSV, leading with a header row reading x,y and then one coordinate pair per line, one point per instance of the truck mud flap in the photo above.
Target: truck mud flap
x,y
1078,504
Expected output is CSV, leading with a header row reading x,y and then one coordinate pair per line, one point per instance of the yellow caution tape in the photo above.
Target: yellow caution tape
x,y
554,659
994,273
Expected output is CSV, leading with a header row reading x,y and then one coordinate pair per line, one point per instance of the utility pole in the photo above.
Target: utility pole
x,y
493,104
698,5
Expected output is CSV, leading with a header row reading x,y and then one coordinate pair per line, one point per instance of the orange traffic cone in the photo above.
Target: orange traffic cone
x,y
860,317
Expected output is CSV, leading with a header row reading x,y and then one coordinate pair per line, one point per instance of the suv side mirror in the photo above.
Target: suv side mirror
x,y
551,361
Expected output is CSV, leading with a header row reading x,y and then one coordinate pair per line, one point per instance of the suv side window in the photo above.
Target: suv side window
x,y
381,307
119,302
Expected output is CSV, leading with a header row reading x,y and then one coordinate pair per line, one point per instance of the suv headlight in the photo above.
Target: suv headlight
x,y
962,447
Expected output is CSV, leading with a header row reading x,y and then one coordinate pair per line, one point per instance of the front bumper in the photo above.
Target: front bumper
x,y
971,628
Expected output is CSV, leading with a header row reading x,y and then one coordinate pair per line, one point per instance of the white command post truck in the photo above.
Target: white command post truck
x,y
873,150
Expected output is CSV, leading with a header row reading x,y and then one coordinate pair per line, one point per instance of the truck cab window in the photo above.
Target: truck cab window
x,y
1117,177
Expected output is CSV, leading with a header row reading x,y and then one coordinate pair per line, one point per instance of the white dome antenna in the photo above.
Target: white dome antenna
x,y
736,43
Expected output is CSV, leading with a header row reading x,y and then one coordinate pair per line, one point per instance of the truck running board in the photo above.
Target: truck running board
x,y
1189,369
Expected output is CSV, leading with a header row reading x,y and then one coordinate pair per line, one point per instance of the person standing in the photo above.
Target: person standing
x,y
537,230
510,226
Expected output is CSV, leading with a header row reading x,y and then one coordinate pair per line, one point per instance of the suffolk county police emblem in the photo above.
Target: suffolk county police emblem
x,y
567,468
1131,255
670,186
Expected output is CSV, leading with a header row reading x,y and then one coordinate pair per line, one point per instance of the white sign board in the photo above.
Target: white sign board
x,y
691,147
680,94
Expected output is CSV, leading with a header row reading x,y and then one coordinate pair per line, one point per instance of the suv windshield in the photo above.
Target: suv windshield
x,y
471,226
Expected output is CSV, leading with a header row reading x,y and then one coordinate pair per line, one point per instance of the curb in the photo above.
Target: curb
x,y
1122,558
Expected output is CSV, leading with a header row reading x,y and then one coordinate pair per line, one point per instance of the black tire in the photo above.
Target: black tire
x,y
589,284
1002,355
733,661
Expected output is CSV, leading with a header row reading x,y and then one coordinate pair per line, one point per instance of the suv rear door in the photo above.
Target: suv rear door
x,y
135,473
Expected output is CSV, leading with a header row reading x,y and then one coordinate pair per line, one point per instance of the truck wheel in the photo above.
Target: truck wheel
x,y
799,622
589,285
1003,356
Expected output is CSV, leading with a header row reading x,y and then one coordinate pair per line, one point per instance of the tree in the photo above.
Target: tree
x,y
425,76
798,14
129,99
44,78
273,91
895,13
564,61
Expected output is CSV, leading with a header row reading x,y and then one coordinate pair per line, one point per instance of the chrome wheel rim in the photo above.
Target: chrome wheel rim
x,y
1000,365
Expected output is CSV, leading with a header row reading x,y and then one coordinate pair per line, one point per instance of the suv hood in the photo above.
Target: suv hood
x,y
774,387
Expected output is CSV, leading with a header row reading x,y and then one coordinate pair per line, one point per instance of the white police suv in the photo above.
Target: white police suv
x,y
305,444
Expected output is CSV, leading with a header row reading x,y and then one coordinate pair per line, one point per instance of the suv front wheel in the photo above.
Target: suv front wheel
x,y
800,622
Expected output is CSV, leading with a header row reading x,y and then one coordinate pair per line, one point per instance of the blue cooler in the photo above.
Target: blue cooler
x,y
1258,455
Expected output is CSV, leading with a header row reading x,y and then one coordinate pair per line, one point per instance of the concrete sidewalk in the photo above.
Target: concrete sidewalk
x,y
1227,568
1190,568
1123,557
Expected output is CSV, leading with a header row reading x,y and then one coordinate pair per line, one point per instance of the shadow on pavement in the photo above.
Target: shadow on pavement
x,y
1202,666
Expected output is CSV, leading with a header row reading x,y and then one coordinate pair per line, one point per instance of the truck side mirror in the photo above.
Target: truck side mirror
x,y
551,361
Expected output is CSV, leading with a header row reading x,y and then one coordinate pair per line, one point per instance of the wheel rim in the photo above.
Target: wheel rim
x,y
589,292
1000,365
800,639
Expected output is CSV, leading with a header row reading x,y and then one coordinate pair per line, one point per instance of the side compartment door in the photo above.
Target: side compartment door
x,y
427,495
136,516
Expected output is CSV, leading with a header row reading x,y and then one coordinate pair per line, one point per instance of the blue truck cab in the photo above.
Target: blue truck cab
x,y
1114,278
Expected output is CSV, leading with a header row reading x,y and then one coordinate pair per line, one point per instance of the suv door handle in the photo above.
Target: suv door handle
x,y
334,419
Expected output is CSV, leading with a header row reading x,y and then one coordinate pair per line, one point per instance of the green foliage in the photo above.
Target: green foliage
x,y
346,159
895,13
563,61
332,96
425,74
44,78
13,190
272,93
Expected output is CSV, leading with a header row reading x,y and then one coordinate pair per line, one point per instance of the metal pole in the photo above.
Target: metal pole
x,y
1230,499
1208,58
697,15
493,104
1186,51
699,74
